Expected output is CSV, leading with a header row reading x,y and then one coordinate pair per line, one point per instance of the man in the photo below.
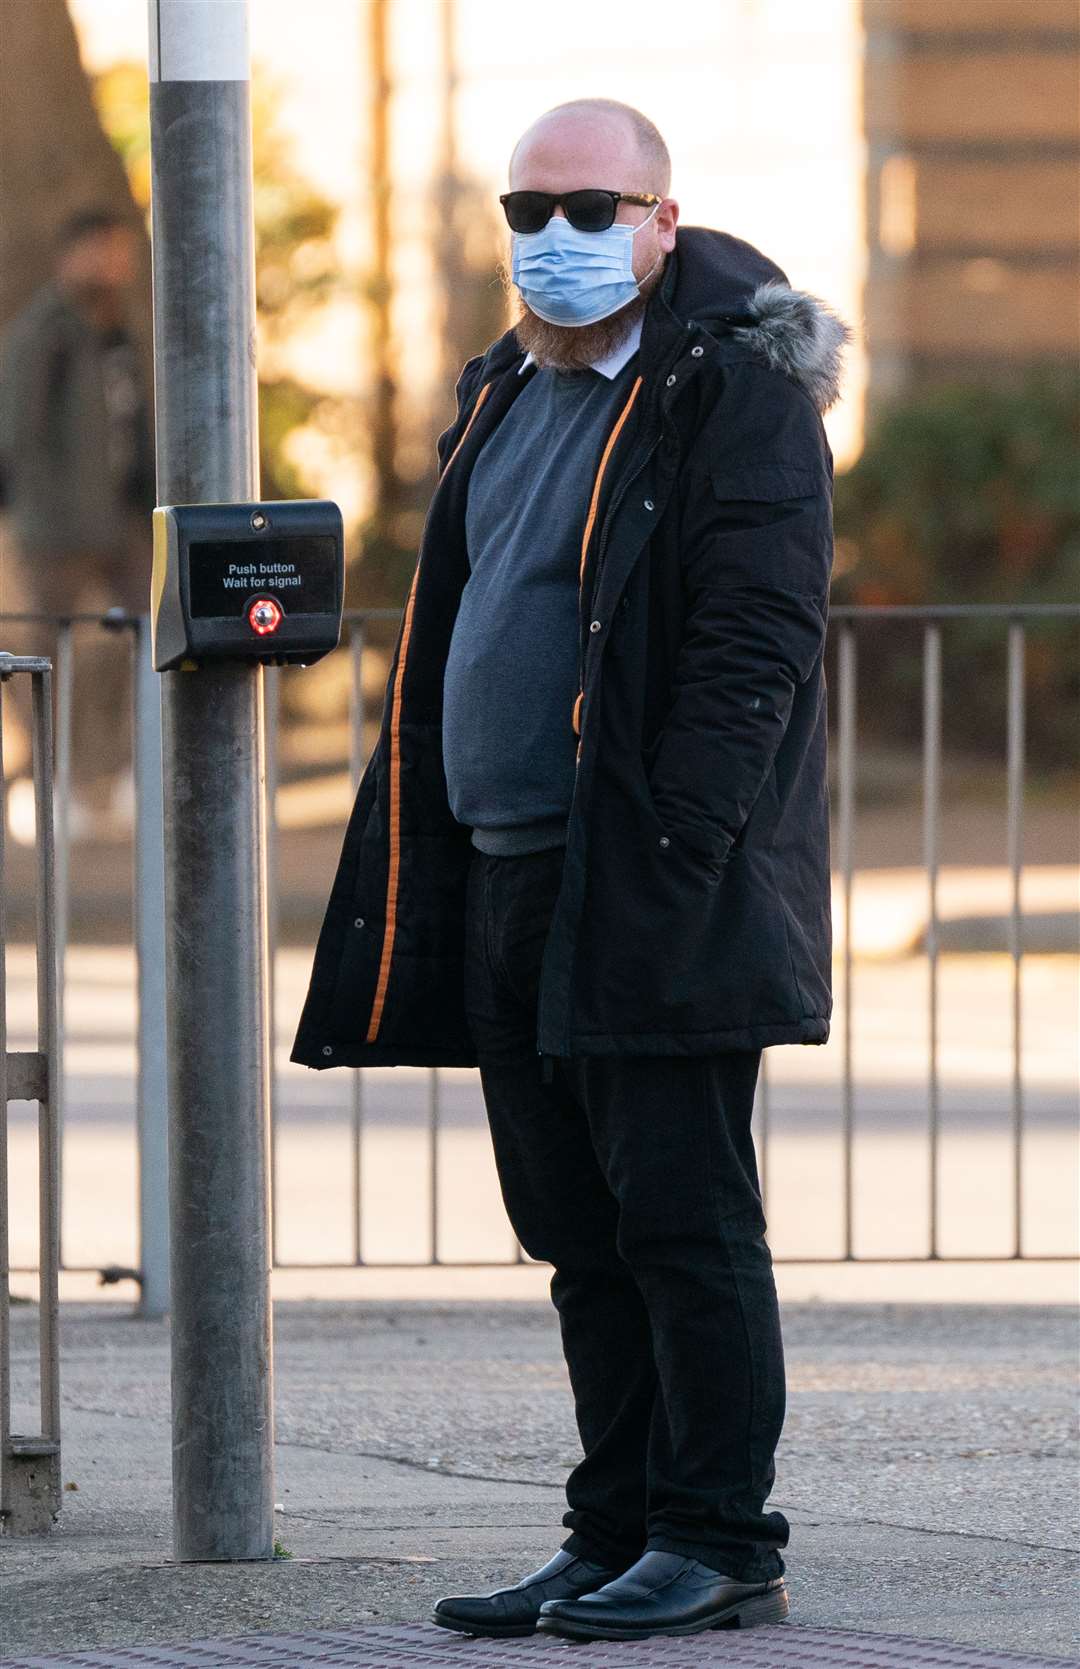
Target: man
x,y
591,851
77,474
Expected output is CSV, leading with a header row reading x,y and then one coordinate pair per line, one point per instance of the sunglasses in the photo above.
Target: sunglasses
x,y
587,211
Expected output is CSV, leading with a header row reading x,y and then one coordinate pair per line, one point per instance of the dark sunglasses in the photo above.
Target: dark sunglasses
x,y
587,211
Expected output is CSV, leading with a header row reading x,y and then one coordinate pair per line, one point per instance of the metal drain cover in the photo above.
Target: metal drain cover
x,y
776,1646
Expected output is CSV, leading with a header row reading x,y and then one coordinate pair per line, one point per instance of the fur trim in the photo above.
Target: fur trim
x,y
797,333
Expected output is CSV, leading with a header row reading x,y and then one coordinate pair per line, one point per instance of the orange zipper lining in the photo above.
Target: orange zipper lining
x,y
608,449
390,930
480,398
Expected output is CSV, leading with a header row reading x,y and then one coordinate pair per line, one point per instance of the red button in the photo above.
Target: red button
x,y
264,615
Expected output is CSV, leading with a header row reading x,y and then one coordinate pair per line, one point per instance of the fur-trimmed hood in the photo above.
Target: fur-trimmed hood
x,y
726,284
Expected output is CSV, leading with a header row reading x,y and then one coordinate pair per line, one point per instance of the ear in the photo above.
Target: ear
x,y
799,334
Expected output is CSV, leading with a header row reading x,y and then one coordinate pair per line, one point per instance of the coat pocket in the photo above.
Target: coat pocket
x,y
703,852
767,525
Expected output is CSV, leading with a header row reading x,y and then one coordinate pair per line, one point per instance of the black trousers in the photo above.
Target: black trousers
x,y
636,1177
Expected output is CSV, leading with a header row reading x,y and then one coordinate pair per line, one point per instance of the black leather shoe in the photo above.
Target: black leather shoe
x,y
665,1593
513,1611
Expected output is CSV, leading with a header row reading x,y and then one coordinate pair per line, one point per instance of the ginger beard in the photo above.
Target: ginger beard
x,y
575,347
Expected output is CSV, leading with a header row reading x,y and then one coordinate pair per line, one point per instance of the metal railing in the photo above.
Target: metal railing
x,y
932,616
30,1493
844,623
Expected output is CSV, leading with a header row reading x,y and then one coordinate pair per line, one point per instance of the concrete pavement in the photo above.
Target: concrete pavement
x,y
927,1469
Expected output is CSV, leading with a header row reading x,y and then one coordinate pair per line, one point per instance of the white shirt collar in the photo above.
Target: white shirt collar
x,y
612,364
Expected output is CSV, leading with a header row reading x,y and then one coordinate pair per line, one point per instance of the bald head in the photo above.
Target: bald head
x,y
603,145
591,142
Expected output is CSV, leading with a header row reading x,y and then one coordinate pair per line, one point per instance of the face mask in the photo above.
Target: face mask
x,y
577,278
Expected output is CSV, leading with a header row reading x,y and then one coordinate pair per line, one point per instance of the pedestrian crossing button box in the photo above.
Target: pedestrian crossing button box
x,y
246,582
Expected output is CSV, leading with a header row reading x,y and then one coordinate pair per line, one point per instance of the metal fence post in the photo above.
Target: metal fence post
x,y
152,1088
64,700
30,1491
847,665
1015,832
931,827
356,1076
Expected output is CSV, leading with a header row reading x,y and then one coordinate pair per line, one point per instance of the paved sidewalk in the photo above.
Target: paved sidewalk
x,y
415,1645
925,1469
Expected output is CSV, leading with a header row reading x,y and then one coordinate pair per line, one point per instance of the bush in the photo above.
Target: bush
x,y
970,493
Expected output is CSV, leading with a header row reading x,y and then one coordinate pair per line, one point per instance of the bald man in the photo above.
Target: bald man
x,y
590,853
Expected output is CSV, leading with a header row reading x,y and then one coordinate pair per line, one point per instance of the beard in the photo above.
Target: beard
x,y
575,347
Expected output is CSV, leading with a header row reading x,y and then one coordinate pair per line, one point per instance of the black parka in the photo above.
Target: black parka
x,y
694,909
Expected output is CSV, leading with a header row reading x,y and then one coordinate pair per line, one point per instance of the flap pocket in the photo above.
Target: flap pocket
x,y
768,482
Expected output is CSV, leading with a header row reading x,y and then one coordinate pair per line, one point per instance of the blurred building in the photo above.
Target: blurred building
x,y
972,115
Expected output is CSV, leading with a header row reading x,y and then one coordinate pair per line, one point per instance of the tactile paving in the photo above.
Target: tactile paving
x,y
774,1646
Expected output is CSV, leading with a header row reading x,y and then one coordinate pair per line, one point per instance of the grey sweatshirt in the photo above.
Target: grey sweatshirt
x,y
511,676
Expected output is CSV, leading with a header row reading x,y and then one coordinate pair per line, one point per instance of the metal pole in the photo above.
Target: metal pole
x,y
380,291
64,701
931,826
846,750
433,1163
214,773
48,1042
272,695
153,1088
356,768
1015,814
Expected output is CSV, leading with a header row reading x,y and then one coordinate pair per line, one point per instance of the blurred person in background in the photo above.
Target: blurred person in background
x,y
77,486
590,853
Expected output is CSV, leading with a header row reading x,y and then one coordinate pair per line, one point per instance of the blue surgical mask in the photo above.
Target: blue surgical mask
x,y
577,278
